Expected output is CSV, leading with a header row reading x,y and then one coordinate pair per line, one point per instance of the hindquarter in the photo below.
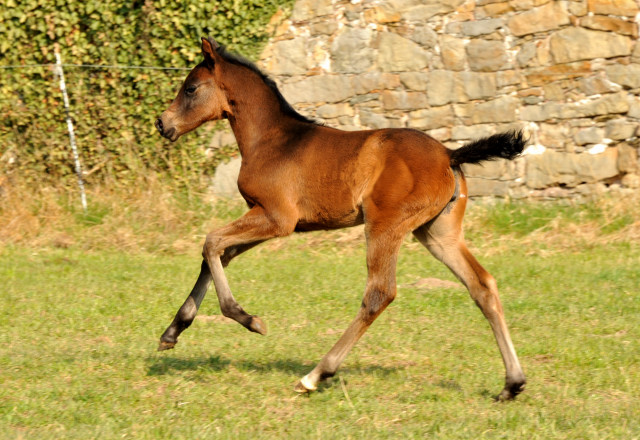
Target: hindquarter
x,y
415,182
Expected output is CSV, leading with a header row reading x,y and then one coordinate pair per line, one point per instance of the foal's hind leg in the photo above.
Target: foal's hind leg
x,y
382,254
443,237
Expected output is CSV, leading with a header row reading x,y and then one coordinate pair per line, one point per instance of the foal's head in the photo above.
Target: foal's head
x,y
200,98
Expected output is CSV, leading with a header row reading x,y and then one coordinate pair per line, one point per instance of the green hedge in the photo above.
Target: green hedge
x,y
113,110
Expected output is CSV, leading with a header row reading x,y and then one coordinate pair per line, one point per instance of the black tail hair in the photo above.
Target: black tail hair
x,y
508,145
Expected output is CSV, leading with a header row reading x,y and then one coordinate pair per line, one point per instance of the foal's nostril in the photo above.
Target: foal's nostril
x,y
159,125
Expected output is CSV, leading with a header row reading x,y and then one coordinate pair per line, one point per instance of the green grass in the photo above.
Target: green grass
x,y
521,217
79,332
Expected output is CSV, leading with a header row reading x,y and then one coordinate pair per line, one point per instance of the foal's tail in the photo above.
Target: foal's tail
x,y
508,145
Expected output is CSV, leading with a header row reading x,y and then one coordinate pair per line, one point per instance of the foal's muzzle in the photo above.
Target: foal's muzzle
x,y
169,133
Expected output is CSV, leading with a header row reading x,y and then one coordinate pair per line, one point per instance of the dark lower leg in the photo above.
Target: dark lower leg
x,y
187,313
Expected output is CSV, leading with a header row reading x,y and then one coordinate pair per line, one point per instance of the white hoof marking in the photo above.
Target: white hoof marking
x,y
306,382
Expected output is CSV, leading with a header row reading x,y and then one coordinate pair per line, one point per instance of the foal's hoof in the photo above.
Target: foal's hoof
x,y
304,386
510,392
257,325
166,345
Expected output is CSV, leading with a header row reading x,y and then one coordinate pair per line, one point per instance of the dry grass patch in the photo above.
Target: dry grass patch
x,y
144,217
152,216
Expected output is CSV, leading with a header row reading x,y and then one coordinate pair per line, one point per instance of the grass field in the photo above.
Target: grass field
x,y
79,329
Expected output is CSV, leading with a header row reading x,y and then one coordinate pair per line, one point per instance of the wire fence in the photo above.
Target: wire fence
x,y
91,66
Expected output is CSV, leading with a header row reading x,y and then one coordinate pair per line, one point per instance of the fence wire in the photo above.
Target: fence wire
x,y
92,66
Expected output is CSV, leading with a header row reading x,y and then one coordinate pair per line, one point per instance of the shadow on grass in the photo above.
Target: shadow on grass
x,y
174,365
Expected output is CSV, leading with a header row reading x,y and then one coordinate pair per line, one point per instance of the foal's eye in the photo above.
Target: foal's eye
x,y
190,90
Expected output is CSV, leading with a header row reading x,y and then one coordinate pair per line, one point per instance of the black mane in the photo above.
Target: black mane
x,y
284,105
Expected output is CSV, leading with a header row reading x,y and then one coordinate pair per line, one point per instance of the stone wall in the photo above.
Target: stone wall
x,y
566,71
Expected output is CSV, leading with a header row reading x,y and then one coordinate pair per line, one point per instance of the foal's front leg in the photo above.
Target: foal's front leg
x,y
187,313
220,247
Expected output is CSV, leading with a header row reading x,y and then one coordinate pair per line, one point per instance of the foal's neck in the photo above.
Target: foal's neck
x,y
257,117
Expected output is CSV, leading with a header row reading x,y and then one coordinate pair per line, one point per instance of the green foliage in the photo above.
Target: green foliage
x,y
113,109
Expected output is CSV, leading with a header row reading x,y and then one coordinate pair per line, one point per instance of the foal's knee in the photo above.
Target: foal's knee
x,y
212,246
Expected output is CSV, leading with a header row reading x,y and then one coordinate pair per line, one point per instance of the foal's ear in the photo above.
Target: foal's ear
x,y
210,49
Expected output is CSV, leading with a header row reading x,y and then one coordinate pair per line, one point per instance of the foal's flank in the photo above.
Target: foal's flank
x,y
297,175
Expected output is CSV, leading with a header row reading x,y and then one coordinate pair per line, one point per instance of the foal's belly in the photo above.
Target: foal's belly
x,y
326,219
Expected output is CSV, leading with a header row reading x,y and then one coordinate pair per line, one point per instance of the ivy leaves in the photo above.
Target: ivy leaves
x,y
113,109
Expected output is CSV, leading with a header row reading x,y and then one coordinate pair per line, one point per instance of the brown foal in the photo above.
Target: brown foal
x,y
297,175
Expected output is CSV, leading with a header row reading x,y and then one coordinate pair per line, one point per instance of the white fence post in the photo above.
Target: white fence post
x,y
72,137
